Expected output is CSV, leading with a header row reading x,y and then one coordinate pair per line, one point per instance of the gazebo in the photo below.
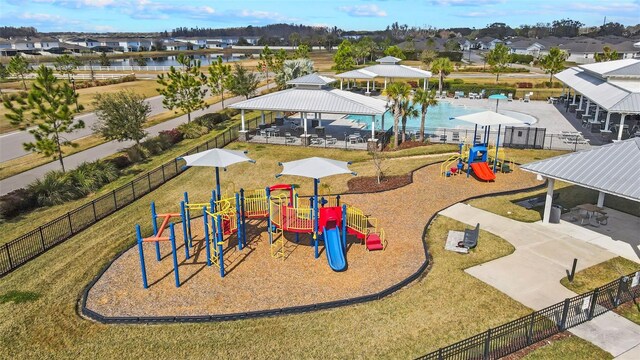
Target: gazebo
x,y
388,69
609,169
613,86
311,94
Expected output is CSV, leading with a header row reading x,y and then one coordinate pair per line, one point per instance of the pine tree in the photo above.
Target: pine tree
x,y
219,74
19,66
183,89
67,65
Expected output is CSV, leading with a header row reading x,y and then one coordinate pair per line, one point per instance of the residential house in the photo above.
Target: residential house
x,y
175,45
213,44
138,45
525,47
197,42
46,43
84,42
23,44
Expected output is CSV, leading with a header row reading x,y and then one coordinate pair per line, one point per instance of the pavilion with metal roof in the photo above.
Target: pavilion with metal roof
x,y
613,86
609,169
310,94
389,69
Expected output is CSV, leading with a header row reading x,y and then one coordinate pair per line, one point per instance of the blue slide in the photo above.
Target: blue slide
x,y
333,248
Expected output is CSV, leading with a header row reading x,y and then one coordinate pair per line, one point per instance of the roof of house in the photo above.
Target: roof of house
x,y
319,100
388,59
604,168
357,74
311,79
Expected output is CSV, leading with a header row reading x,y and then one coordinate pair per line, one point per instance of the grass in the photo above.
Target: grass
x,y
590,278
569,348
416,320
146,88
18,297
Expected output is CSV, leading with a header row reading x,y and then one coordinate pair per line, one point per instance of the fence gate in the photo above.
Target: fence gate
x,y
524,137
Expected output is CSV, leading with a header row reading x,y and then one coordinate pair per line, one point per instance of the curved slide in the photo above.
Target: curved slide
x,y
333,248
483,171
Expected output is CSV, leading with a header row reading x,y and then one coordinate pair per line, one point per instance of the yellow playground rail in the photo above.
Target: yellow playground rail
x,y
255,203
299,219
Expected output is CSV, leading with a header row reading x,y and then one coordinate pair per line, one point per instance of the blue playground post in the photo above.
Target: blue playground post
x,y
244,220
344,226
475,131
186,201
172,238
238,222
315,217
154,222
495,159
269,216
187,243
141,253
206,234
218,183
219,242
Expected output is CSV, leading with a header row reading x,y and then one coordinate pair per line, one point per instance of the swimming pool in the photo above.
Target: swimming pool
x,y
437,117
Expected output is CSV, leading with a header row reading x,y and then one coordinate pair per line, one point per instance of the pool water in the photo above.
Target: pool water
x,y
437,117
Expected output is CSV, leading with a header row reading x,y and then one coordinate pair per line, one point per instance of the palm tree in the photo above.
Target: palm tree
x,y
424,98
407,109
443,67
396,93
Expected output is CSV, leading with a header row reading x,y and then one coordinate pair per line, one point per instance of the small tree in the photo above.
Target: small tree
x,y
183,89
219,74
49,105
553,62
104,60
424,99
607,54
242,82
428,56
4,73
302,52
344,56
498,58
265,65
395,52
378,161
18,66
67,65
292,69
443,67
121,116
140,61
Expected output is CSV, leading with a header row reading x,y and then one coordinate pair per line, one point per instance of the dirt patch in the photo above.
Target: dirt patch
x,y
370,183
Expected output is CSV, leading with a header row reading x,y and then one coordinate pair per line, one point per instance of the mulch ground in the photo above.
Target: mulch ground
x,y
368,184
256,281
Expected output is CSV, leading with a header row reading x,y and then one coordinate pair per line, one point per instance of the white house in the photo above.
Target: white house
x,y
46,43
526,47
23,44
175,46
85,42
198,42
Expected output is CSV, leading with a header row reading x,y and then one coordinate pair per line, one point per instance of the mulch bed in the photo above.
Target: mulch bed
x,y
364,184
407,145
533,347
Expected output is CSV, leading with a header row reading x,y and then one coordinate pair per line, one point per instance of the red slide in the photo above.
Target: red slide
x,y
483,171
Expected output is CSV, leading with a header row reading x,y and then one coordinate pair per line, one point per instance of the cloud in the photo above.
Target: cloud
x,y
40,18
609,7
363,11
465,2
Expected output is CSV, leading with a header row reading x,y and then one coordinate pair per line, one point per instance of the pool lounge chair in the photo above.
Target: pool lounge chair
x,y
455,137
510,97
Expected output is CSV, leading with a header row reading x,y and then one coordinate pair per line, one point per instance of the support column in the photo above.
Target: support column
x,y
622,116
340,84
243,134
600,199
373,126
424,84
320,119
367,85
597,113
581,101
305,138
574,98
606,123
262,117
586,111
374,84
385,83
548,201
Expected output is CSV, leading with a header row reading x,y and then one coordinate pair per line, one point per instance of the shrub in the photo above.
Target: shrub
x,y
524,85
211,120
457,81
136,154
173,136
54,188
521,58
120,162
192,130
91,176
16,202
229,112
152,146
454,56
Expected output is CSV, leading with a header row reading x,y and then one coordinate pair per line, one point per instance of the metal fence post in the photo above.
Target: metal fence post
x,y
9,256
487,344
95,213
594,302
164,179
530,331
621,283
115,200
149,180
133,190
70,225
565,312
42,238
175,162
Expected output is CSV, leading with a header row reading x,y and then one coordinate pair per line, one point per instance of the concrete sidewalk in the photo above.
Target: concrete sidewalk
x,y
98,152
531,275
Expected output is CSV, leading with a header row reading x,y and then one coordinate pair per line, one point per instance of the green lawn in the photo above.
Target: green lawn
x,y
604,273
569,348
433,312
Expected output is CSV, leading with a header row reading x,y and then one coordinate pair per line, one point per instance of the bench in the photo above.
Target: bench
x,y
470,239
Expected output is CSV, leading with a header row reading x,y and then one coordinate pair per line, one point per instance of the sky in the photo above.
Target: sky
x,y
160,15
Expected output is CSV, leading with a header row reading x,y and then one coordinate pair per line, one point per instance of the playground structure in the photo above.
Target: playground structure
x,y
476,157
284,211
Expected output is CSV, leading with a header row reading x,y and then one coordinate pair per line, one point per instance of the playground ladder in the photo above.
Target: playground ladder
x,y
277,247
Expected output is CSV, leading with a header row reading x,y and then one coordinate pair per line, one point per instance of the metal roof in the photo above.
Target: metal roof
x,y
611,168
605,67
357,74
388,59
311,79
395,71
609,96
632,70
322,100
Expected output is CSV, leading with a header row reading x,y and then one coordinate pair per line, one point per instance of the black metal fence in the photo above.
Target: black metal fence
x,y
524,137
539,325
19,251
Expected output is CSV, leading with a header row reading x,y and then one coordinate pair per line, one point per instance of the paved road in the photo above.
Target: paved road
x,y
100,151
11,143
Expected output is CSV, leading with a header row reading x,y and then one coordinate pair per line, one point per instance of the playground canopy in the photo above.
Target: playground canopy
x,y
218,158
315,168
611,169
489,118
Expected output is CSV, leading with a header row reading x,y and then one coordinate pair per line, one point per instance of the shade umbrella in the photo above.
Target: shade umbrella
x,y
488,118
497,97
315,168
218,158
